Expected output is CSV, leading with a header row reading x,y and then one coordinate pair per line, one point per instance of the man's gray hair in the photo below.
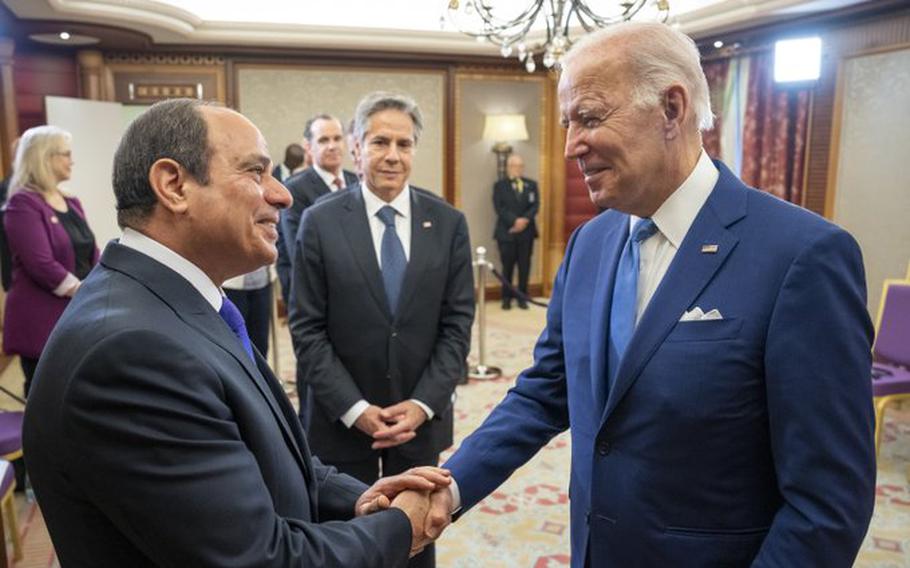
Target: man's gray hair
x,y
173,129
657,56
379,101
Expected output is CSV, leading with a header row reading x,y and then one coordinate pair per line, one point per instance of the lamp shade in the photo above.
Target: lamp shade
x,y
505,127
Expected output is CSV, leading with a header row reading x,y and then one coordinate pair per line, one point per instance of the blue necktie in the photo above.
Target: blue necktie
x,y
392,258
231,316
625,295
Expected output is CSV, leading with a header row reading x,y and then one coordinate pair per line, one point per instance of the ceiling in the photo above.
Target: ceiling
x,y
389,25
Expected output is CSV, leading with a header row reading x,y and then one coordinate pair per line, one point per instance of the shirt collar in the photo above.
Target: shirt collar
x,y
675,216
401,204
329,178
192,273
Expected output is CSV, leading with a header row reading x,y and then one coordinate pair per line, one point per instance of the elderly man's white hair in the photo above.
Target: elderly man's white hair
x,y
658,56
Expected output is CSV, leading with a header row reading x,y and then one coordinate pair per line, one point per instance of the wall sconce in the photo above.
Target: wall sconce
x,y
503,129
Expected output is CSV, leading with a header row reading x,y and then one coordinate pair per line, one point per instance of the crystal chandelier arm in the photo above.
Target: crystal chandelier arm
x,y
596,21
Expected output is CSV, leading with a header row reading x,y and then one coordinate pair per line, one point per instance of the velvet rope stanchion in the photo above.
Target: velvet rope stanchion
x,y
482,371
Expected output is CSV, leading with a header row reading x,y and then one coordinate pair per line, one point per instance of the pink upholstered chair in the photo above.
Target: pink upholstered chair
x,y
891,352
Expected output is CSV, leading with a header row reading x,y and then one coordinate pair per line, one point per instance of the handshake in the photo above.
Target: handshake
x,y
422,493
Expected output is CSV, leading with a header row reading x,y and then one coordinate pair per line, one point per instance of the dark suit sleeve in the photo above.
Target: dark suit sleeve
x,y
501,191
817,362
162,457
332,384
453,340
290,217
283,264
532,412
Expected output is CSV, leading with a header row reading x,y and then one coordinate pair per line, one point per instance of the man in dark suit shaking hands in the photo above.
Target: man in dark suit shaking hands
x,y
156,434
382,307
516,201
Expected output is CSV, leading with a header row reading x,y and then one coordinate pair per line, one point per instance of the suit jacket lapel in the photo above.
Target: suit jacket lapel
x,y
424,231
613,242
688,274
296,430
360,240
193,309
319,184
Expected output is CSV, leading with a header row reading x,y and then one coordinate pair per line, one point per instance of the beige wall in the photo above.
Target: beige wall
x,y
872,194
477,96
279,100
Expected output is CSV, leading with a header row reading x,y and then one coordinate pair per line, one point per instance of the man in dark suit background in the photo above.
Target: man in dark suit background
x,y
323,139
707,344
382,307
155,434
516,201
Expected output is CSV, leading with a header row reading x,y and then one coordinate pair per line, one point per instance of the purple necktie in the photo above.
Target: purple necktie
x,y
231,316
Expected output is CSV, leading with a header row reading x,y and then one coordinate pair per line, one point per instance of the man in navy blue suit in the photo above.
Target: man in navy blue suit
x,y
156,434
707,344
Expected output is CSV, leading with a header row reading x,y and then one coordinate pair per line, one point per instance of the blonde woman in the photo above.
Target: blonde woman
x,y
51,245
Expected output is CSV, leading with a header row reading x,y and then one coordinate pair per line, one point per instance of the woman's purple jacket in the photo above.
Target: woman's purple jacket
x,y
42,256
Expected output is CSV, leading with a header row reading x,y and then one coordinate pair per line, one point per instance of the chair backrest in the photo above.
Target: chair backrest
x,y
892,343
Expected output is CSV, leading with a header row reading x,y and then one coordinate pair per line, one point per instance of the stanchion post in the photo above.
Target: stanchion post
x,y
481,370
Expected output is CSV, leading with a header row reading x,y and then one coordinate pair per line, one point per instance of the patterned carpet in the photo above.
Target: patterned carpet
x,y
525,523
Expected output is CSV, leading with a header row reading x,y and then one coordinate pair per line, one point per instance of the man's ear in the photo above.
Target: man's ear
x,y
676,110
169,182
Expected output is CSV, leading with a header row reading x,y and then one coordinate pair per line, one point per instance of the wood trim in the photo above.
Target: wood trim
x,y
883,31
837,120
451,139
7,106
555,240
214,72
547,125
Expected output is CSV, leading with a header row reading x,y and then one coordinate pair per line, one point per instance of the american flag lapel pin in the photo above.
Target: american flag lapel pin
x,y
708,249
427,224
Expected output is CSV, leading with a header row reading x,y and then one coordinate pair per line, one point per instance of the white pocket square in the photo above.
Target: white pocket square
x,y
696,314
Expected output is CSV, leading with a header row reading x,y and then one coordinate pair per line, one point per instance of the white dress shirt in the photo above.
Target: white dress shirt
x,y
673,220
189,271
329,178
402,206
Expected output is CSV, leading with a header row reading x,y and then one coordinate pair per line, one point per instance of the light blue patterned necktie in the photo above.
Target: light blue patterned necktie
x,y
392,258
625,295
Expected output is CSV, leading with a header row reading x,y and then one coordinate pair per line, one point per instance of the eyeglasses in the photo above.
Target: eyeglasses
x,y
67,154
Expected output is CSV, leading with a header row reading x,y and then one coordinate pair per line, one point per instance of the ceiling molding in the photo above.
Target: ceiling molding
x,y
165,25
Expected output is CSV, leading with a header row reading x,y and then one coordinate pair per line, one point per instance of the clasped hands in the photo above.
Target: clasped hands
x,y
519,225
393,425
422,493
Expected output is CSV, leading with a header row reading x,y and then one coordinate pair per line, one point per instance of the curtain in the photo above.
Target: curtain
x,y
716,73
774,132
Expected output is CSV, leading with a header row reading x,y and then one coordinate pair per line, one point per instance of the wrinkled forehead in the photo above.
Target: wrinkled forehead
x,y
591,74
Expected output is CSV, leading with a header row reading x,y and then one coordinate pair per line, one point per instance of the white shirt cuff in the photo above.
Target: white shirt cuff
x,y
353,413
424,407
65,286
456,496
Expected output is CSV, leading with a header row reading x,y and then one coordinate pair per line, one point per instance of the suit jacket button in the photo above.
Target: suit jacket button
x,y
394,334
603,447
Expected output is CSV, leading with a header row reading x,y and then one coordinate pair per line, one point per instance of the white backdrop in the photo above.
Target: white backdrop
x,y
96,128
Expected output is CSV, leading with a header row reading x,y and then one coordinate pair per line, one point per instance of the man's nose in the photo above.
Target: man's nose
x,y
276,194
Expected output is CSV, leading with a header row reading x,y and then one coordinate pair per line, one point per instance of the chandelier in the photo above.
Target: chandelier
x,y
508,26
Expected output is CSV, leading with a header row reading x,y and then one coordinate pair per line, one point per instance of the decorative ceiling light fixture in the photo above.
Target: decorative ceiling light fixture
x,y
509,25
